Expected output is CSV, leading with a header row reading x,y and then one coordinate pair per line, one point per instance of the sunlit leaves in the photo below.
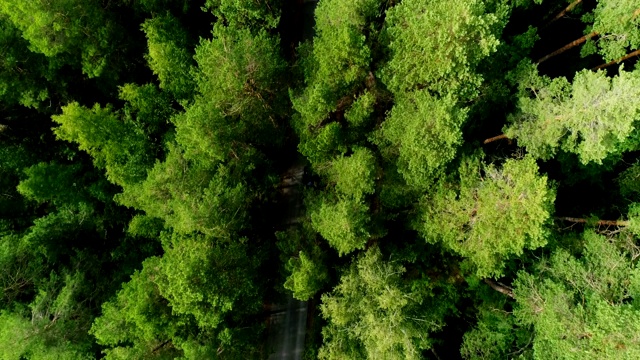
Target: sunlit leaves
x,y
495,214
591,117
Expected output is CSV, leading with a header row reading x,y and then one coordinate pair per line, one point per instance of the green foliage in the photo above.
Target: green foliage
x,y
591,117
354,176
23,74
629,182
376,314
20,339
240,96
494,335
304,261
336,69
117,146
388,103
423,133
139,319
359,113
207,278
323,145
634,218
344,223
191,197
263,14
169,55
307,276
436,45
77,28
495,214
23,268
148,108
618,24
55,326
49,182
583,308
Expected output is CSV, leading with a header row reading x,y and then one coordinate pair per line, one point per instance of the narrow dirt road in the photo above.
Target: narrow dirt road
x,y
287,324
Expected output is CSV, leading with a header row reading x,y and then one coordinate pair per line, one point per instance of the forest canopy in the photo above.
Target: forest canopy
x,y
433,179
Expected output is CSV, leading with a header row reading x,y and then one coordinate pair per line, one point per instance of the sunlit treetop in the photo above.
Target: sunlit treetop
x,y
422,132
77,28
437,45
495,214
170,55
248,14
592,117
583,307
340,57
618,24
374,313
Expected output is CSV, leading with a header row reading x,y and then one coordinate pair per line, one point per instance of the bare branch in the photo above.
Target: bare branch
x,y
568,46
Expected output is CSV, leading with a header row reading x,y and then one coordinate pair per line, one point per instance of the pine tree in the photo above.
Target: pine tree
x,y
582,308
493,215
375,313
593,117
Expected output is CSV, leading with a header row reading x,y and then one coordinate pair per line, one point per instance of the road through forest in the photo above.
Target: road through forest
x,y
287,323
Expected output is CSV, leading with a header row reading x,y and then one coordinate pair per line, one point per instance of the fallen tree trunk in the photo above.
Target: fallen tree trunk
x,y
495,138
599,222
616,61
564,12
501,288
567,47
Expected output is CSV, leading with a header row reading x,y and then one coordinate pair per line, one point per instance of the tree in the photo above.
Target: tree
x,y
496,335
592,117
618,24
376,313
240,96
584,307
341,214
354,176
24,75
180,304
344,223
118,147
494,215
247,14
304,260
208,278
76,28
50,183
422,134
336,67
138,322
436,45
169,55
190,196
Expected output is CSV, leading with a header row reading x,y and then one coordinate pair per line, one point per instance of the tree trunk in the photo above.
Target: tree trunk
x,y
495,138
629,55
501,288
568,46
599,222
564,12
160,346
